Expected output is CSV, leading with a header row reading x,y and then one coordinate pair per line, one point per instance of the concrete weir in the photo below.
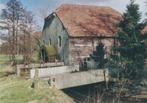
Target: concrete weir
x,y
49,71
68,80
62,77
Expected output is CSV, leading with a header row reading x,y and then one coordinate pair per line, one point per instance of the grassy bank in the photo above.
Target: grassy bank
x,y
18,90
14,89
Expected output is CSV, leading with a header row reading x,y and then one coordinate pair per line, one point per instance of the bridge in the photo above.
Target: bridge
x,y
61,77
68,80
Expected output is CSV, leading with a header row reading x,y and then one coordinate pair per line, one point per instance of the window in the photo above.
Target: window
x,y
43,41
50,42
59,41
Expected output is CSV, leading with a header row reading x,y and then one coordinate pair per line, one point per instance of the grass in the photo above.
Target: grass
x,y
18,58
5,63
5,70
5,58
17,90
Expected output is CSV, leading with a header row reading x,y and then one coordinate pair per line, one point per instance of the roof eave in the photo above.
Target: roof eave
x,y
89,36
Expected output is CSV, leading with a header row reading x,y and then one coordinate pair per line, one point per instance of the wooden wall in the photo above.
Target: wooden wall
x,y
80,48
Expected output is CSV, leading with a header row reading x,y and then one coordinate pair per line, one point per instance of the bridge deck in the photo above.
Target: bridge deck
x,y
68,80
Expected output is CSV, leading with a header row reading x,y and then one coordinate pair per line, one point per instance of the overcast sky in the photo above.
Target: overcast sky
x,y
51,5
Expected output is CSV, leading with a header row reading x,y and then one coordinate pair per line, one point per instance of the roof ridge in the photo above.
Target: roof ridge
x,y
90,20
78,5
84,5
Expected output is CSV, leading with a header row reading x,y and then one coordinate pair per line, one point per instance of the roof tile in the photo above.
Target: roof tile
x,y
84,20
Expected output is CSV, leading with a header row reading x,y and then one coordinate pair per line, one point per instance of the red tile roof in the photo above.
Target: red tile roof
x,y
145,31
84,20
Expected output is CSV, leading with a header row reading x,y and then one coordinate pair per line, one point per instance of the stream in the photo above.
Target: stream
x,y
92,94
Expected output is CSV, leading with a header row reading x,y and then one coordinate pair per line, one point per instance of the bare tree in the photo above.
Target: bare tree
x,y
28,31
13,14
20,24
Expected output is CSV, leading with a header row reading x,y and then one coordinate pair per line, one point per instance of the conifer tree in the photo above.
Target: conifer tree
x,y
127,60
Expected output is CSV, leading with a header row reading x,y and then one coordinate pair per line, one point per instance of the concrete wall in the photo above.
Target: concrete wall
x,y
68,80
53,29
46,72
83,47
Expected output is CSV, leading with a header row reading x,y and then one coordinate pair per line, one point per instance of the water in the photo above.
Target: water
x,y
93,94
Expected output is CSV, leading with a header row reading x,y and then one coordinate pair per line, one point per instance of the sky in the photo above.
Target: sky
x,y
50,5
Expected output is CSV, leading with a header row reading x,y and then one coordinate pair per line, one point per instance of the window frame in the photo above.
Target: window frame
x,y
59,41
50,41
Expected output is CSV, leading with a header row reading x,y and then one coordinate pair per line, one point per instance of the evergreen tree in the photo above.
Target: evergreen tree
x,y
98,55
127,60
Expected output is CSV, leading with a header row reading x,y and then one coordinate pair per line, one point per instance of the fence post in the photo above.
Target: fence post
x,y
105,78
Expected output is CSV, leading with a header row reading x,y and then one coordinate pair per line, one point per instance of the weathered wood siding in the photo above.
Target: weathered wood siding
x,y
53,29
72,50
82,47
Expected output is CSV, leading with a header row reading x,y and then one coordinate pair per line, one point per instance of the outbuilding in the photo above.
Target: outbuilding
x,y
75,31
